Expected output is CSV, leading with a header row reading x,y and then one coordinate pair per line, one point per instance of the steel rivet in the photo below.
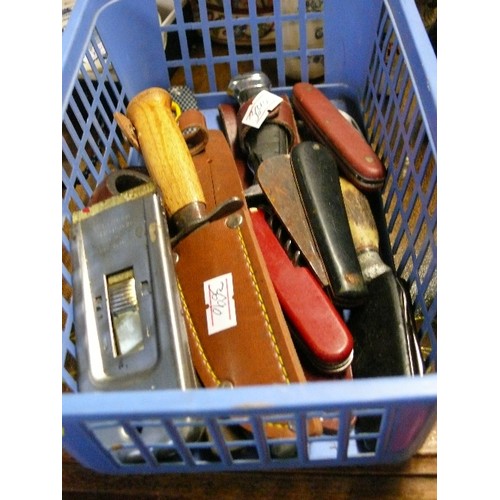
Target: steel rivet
x,y
234,221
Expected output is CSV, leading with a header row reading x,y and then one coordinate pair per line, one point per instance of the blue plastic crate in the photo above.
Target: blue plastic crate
x,y
378,64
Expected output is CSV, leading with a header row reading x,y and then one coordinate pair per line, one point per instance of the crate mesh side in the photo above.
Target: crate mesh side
x,y
244,48
237,441
91,147
397,133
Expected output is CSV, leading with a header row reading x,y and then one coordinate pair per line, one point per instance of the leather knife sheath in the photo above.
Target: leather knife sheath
x,y
223,281
317,178
277,135
356,158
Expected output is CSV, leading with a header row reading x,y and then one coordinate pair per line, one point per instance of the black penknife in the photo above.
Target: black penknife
x,y
317,178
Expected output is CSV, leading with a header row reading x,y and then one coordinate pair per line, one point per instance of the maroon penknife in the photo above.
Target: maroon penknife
x,y
319,330
355,156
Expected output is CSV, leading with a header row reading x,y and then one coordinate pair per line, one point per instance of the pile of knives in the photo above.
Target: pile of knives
x,y
346,306
289,199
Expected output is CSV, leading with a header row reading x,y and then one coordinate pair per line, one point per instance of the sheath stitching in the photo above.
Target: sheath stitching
x,y
195,336
263,306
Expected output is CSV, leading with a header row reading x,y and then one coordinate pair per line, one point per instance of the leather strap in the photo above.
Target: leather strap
x,y
194,129
228,114
258,348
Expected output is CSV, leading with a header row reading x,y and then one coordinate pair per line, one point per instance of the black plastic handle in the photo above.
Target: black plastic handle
x,y
317,177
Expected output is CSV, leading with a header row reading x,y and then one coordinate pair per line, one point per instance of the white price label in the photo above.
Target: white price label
x,y
262,104
219,299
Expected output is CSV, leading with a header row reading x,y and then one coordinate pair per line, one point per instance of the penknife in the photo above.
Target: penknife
x,y
319,330
317,178
355,156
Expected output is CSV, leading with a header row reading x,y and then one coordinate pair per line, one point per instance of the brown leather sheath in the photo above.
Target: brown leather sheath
x,y
236,132
237,332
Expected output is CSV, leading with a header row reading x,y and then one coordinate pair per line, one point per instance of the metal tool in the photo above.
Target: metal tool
x,y
129,330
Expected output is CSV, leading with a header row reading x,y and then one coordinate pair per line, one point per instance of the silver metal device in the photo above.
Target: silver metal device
x,y
130,333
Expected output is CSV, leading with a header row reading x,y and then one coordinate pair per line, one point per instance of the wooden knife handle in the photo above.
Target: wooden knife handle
x,y
363,228
164,149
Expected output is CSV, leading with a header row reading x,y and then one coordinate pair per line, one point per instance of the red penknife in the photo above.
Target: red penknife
x,y
319,330
355,156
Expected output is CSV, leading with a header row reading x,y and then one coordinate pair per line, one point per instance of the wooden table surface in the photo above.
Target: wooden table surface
x,y
415,479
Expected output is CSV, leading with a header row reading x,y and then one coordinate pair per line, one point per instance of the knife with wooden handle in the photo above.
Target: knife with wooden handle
x,y
237,332
150,126
383,327
356,158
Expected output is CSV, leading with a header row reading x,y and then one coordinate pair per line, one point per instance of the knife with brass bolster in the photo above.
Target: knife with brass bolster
x,y
150,127
356,158
317,178
321,333
383,327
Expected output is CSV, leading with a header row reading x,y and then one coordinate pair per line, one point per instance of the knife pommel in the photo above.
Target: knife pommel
x,y
364,231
